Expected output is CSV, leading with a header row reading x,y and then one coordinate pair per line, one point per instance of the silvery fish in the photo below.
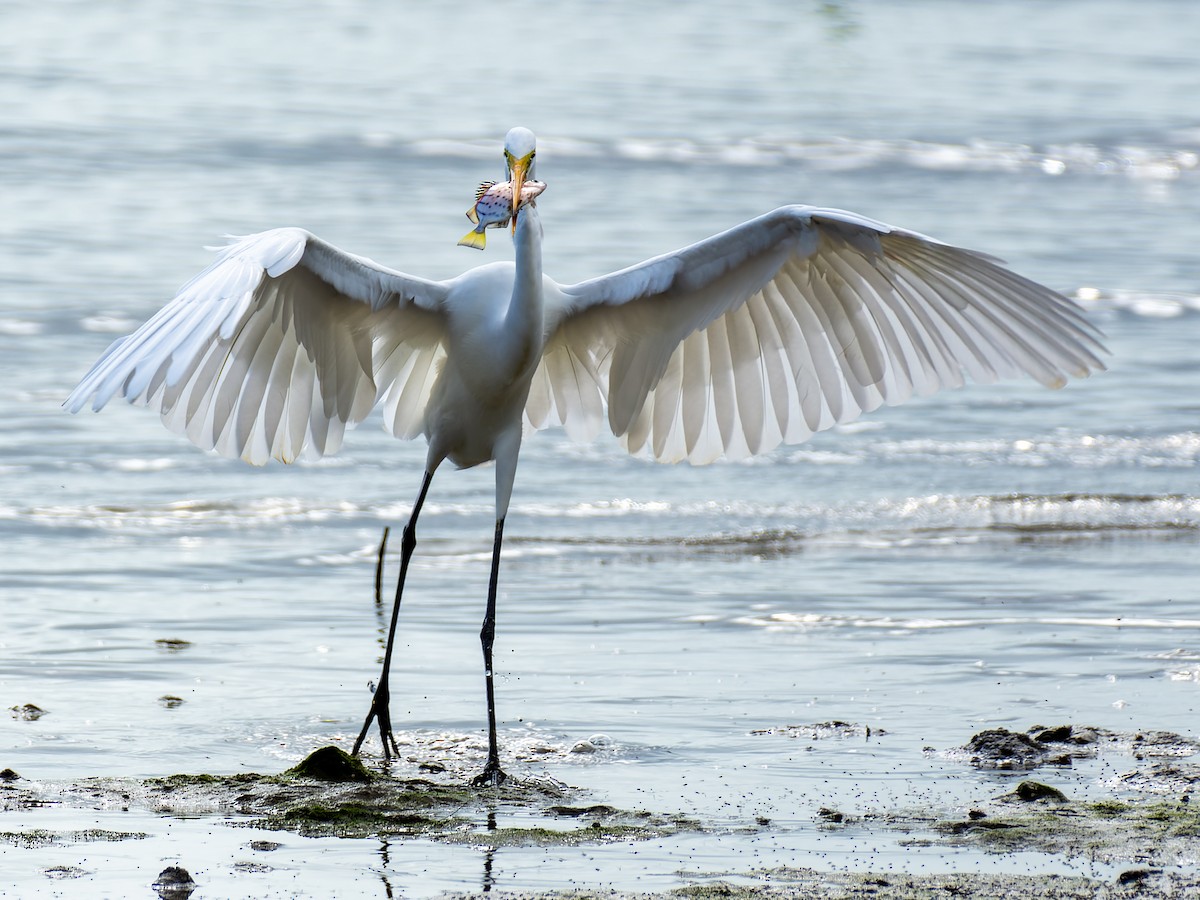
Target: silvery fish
x,y
493,208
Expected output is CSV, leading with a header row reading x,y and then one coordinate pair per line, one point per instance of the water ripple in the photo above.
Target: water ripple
x,y
929,519
1174,157
785,621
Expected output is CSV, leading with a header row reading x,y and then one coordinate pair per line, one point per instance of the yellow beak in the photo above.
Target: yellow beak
x,y
520,168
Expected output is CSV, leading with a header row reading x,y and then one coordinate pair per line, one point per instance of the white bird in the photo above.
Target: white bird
x,y
764,334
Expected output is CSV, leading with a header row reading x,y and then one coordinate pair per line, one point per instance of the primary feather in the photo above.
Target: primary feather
x,y
798,320
273,349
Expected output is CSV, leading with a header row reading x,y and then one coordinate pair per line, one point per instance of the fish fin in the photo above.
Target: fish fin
x,y
473,216
484,187
474,239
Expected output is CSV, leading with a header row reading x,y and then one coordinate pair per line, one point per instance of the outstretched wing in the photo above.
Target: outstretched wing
x,y
278,345
790,323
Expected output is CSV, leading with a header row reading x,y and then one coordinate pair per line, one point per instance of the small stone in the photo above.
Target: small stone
x,y
170,701
1084,736
1057,735
174,883
1135,876
58,873
592,743
251,867
9,775
265,846
1004,749
599,810
173,875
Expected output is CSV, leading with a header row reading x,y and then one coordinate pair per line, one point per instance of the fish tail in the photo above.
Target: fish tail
x,y
474,239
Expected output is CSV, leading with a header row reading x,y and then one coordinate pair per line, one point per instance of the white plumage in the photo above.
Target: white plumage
x,y
775,329
778,328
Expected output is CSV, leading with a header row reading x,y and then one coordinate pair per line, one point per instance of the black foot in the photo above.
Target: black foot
x,y
491,776
379,712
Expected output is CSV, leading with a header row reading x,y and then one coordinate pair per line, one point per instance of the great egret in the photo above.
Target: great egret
x,y
777,328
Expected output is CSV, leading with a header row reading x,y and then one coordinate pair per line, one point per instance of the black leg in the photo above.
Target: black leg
x,y
492,774
379,702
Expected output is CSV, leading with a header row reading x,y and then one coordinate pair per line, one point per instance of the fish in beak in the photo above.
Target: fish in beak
x,y
494,208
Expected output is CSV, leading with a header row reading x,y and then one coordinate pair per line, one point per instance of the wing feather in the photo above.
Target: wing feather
x,y
798,320
668,395
696,405
274,348
800,367
409,391
724,389
802,293
777,383
745,354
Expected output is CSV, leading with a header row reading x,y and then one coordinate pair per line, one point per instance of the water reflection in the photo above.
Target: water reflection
x,y
489,855
385,859
379,569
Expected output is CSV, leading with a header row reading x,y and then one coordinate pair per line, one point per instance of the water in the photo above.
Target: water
x,y
998,556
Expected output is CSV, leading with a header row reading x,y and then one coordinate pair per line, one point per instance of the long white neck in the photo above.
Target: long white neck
x,y
525,310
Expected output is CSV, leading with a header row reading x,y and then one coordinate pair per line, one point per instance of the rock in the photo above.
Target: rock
x,y
1003,749
1135,877
1035,790
174,883
1058,734
330,764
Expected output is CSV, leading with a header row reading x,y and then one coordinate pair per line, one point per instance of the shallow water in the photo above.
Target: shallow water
x,y
998,556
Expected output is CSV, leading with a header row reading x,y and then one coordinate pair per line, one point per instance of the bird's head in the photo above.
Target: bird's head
x,y
520,152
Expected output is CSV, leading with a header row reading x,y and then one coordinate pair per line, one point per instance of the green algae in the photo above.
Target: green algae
x,y
353,819
811,884
330,764
39,837
331,794
1107,830
1035,790
1168,819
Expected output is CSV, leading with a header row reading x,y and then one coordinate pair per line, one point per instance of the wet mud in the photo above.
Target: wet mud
x,y
1148,829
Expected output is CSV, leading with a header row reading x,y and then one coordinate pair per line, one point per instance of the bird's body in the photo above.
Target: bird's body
x,y
779,327
494,338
